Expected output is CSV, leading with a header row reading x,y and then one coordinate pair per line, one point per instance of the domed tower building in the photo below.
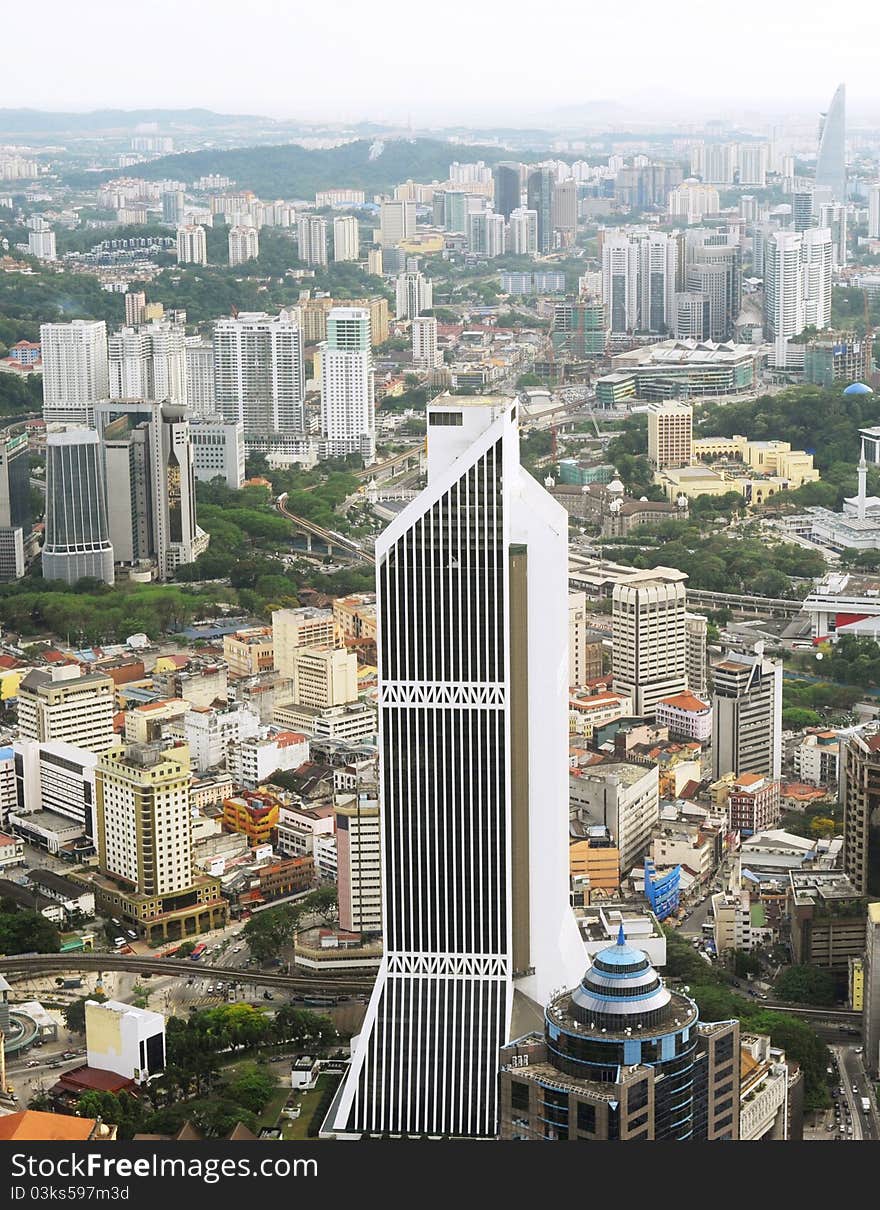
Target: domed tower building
x,y
622,1057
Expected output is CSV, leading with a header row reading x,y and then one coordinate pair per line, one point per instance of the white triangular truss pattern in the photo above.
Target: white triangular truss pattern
x,y
450,966
460,694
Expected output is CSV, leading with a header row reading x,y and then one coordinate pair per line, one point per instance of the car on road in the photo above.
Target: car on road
x,y
69,1054
859,1050
132,934
32,1063
855,1088
268,996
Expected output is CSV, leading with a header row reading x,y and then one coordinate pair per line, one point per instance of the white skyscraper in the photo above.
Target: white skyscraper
x,y
524,232
259,377
311,232
346,241
348,414
424,344
149,362
192,245
74,370
218,449
874,211
818,259
784,291
397,222
415,294
41,243
200,376
692,199
649,643
620,281
832,215
244,244
753,159
474,803
657,265
485,233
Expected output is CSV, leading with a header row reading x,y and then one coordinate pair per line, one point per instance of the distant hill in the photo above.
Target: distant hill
x,y
294,172
38,121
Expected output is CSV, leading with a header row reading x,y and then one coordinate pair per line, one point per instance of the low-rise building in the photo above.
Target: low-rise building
x,y
767,1110
587,711
253,814
127,1040
732,921
255,759
625,798
816,759
686,716
356,721
826,915
753,804
249,652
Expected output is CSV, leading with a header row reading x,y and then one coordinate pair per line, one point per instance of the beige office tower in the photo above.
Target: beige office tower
x,y
859,794
397,222
374,262
293,629
64,704
359,862
670,434
577,628
323,678
649,636
871,1005
696,629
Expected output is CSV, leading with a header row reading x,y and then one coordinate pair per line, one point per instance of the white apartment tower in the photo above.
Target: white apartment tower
x,y
74,370
473,690
311,233
149,362
244,244
424,344
649,636
670,434
192,245
415,294
218,450
620,281
346,240
259,376
348,414
797,287
874,211
199,376
397,222
524,232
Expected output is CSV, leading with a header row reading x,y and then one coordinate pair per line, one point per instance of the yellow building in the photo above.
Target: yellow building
x,y
10,681
856,984
601,866
252,815
423,245
719,792
249,652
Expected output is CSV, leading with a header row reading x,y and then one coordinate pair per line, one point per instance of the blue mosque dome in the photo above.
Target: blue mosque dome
x,y
858,388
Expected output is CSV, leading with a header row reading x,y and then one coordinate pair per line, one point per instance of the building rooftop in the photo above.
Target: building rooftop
x,y
31,1125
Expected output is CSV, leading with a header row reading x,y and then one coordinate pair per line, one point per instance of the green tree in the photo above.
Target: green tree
x,y
267,932
75,1012
806,985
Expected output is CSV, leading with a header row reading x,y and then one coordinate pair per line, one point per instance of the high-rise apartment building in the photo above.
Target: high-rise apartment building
x,y
359,862
507,188
802,202
524,232
425,355
649,637
859,795
135,302
753,161
670,434
874,211
692,316
149,362
539,197
475,909
173,206
397,222
486,233
414,294
244,244
259,375
218,450
346,238
77,540
657,269
348,412
311,234
797,288
747,715
74,370
692,199
620,281
199,354
66,705
148,462
192,246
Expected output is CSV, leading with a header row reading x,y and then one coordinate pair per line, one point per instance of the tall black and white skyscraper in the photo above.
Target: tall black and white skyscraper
x,y
77,541
473,656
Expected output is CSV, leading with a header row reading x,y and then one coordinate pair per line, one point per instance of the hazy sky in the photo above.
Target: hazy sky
x,y
494,60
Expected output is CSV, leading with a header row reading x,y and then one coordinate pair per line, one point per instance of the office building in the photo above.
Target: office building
x,y
135,304
63,704
58,776
580,330
714,267
565,211
696,630
623,797
293,629
192,246
173,205
539,197
670,434
486,233
145,867
74,370
77,539
859,795
209,730
348,414
425,355
127,1040
507,188
584,646
832,217
871,993
397,222
359,864
244,244
414,294
692,316
524,232
15,504
148,461
346,239
623,1058
149,362
199,355
747,715
324,677
259,375
256,759
649,644
753,804
490,546
311,234
874,211
218,450
831,158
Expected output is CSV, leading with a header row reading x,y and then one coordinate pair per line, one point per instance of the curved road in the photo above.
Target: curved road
x,y
185,968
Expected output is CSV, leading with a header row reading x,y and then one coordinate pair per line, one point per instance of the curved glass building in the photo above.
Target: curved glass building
x,y
831,161
622,1057
77,542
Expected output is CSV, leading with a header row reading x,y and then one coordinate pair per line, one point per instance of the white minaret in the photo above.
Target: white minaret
x,y
863,482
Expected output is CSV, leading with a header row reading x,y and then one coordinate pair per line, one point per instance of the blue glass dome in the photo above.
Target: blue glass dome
x,y
858,388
